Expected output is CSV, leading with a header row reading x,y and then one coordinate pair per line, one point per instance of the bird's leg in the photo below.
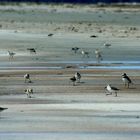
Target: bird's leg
x,y
115,94
128,85
73,84
29,80
125,84
27,95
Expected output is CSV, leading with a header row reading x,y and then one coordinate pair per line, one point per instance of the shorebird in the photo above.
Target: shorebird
x,y
75,49
11,55
29,91
85,54
50,34
111,90
98,55
73,80
126,80
93,36
32,50
2,109
27,77
107,45
78,76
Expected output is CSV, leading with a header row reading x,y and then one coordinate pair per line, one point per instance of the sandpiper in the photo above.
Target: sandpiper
x,y
85,54
75,49
126,80
11,55
98,55
78,77
27,77
111,90
29,91
32,50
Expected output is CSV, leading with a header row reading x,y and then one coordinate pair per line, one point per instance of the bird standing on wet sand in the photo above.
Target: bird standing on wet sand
x,y
78,77
32,50
126,80
107,45
98,55
27,77
73,80
29,91
11,55
85,54
111,90
75,49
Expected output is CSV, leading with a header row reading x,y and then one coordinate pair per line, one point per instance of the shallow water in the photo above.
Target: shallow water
x,y
112,67
115,65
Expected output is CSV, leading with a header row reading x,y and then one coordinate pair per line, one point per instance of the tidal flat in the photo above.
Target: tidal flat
x,y
57,109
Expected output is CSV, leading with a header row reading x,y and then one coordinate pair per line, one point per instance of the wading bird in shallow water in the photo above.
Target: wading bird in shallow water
x,y
126,80
98,55
73,80
111,90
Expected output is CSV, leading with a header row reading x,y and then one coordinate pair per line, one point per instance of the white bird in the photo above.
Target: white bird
x,y
126,80
78,76
111,90
27,77
29,91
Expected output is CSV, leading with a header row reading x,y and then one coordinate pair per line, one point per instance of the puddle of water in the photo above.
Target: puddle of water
x,y
112,67
116,65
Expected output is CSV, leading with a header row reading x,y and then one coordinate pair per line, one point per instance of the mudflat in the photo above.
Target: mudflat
x,y
57,109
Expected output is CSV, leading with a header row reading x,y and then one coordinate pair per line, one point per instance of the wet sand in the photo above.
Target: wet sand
x,y
58,110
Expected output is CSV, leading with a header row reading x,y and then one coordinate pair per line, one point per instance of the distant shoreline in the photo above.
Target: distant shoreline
x,y
69,4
